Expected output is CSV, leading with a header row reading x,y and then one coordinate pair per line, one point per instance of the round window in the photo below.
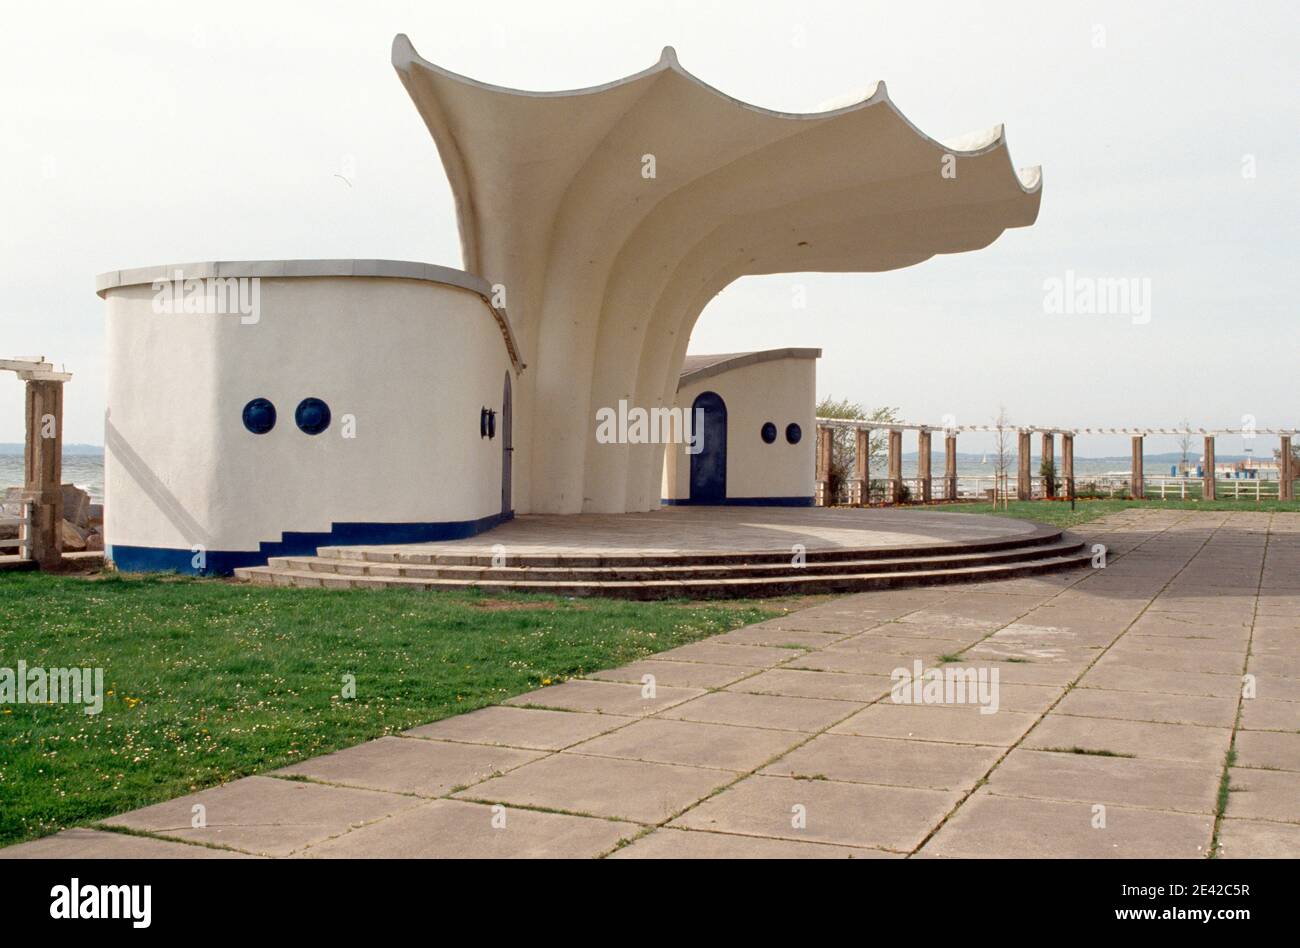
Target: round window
x,y
769,432
259,416
793,433
312,416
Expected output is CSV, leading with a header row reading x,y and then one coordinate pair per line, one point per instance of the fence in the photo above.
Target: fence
x,y
24,524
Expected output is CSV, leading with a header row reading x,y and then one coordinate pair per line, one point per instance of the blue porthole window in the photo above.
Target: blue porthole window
x,y
259,416
769,432
312,416
793,433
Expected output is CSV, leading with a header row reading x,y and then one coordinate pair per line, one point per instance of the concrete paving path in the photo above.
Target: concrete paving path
x,y
1121,691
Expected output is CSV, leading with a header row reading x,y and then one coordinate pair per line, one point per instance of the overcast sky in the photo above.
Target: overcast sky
x,y
146,133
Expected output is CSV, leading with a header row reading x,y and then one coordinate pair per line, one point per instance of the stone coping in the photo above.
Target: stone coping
x,y
727,362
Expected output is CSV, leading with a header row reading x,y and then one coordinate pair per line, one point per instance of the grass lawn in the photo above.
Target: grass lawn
x,y
209,680
1059,514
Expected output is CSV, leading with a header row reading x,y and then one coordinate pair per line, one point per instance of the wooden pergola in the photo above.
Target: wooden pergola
x,y
42,458
1024,436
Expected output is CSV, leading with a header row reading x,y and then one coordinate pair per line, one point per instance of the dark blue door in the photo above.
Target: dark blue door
x,y
709,467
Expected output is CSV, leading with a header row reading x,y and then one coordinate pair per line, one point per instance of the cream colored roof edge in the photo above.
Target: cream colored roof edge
x,y
969,145
742,359
288,269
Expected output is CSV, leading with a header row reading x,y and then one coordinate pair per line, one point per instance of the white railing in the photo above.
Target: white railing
x,y
985,487
24,524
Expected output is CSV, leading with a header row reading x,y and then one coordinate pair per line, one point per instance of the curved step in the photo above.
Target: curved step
x,y
792,582
416,555
650,573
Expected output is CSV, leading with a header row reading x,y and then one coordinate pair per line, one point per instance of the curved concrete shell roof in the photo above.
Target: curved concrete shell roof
x,y
606,267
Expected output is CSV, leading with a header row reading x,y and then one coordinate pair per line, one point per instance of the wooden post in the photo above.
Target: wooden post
x,y
1138,484
862,465
1207,475
895,466
1047,449
1024,482
43,471
923,465
950,467
824,466
1286,476
1067,464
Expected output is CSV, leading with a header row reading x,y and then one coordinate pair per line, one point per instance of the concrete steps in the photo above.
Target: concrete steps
x,y
693,575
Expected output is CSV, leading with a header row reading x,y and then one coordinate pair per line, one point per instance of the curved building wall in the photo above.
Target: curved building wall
x,y
405,367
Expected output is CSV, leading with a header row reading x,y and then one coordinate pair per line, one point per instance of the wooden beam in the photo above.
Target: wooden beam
x,y
1047,448
950,467
862,465
1207,475
923,466
895,466
1067,464
1024,473
1285,473
43,471
1137,479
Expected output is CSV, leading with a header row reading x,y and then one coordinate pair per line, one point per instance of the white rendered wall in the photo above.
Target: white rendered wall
x,y
780,391
412,361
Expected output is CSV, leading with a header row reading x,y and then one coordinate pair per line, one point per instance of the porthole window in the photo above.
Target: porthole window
x,y
793,433
482,422
312,416
492,423
259,416
769,432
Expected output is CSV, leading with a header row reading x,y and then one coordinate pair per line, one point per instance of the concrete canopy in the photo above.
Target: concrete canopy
x,y
606,269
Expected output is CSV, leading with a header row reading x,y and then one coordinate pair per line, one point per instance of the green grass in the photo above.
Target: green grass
x,y
1058,513
210,680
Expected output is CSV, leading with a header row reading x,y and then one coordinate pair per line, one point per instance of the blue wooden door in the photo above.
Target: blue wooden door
x,y
709,467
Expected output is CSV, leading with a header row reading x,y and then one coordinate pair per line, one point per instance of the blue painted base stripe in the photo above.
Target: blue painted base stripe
x,y
154,559
740,502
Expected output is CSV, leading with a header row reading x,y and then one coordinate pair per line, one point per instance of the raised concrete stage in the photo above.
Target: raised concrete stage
x,y
698,552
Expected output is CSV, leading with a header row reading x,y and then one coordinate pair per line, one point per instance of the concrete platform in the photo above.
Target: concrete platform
x,y
699,552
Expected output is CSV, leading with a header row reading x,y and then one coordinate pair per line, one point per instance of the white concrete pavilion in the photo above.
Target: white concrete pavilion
x,y
611,215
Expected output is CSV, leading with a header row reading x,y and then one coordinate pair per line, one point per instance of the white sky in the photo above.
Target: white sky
x,y
134,134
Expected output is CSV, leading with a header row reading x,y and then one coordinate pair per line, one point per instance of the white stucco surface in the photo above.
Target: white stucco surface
x,y
405,364
756,387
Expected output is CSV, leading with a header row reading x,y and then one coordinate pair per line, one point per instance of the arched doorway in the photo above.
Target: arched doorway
x,y
507,449
709,465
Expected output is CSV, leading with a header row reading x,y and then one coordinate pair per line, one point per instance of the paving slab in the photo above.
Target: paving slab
x,y
1181,786
453,829
86,843
1266,714
693,744
748,656
1137,706
893,818
814,684
634,790
1270,750
669,843
779,636
771,711
1264,794
1147,680
265,815
404,765
898,763
605,697
529,728
850,662
993,827
1172,659
1131,738
964,725
675,674
1257,839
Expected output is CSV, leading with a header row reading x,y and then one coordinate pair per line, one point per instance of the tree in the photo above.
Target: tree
x,y
844,443
1185,443
1003,448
